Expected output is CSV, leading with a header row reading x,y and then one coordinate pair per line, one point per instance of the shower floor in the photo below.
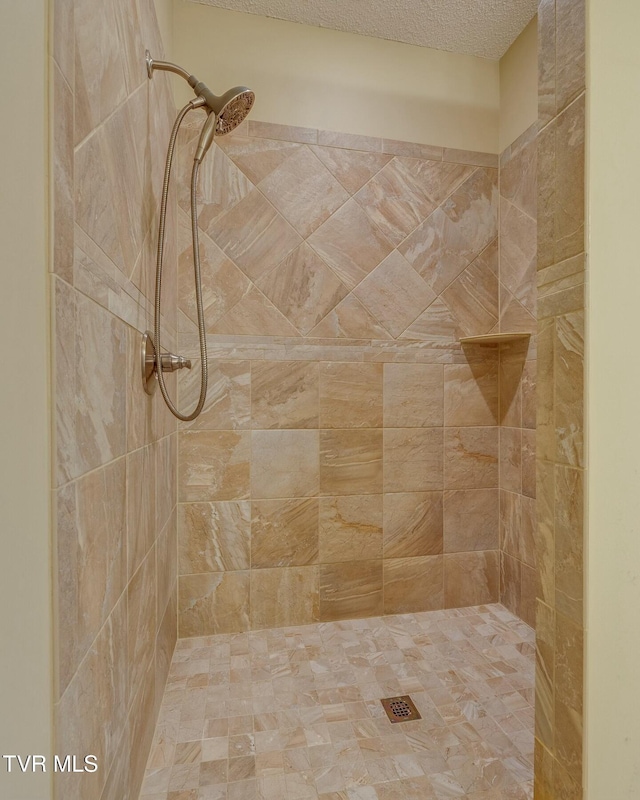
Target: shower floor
x,y
295,713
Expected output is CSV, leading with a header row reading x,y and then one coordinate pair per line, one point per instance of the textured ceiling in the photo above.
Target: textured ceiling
x,y
484,28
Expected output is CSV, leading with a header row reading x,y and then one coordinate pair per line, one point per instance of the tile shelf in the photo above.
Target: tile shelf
x,y
495,338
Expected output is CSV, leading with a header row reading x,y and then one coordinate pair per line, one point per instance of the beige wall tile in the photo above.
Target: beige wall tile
x,y
471,520
349,141
569,389
413,524
351,167
413,584
350,462
141,505
413,459
471,394
284,533
511,459
213,465
529,463
413,395
282,597
284,394
351,395
257,158
546,61
284,464
350,590
570,51
510,582
228,403
142,625
569,548
511,522
214,537
215,603
471,458
473,295
471,578
350,528
545,660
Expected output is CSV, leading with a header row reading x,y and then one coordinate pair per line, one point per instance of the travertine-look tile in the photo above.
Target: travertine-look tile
x,y
471,394
569,546
471,520
215,603
284,464
254,315
141,614
286,133
284,394
284,533
303,288
437,324
350,462
518,246
413,459
350,528
254,235
395,294
350,590
214,465
569,377
471,458
284,597
350,320
351,395
350,244
352,168
413,395
256,157
415,584
470,578
141,505
529,463
473,295
511,459
413,524
214,537
304,191
570,51
228,403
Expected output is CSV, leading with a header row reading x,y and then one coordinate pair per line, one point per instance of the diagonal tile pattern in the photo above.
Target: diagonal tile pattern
x,y
294,713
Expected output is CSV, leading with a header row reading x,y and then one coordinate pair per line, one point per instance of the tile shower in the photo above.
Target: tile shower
x,y
353,463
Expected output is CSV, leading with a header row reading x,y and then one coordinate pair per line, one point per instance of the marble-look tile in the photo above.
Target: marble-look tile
x,y
395,294
471,578
350,141
413,395
350,462
254,315
215,603
214,537
351,395
570,181
546,61
510,581
471,394
570,51
528,532
141,505
167,575
350,244
91,561
284,533
166,455
350,320
413,584
351,168
518,173
254,235
228,403
546,191
545,660
284,394
511,523
472,157
406,191
569,544
471,458
545,534
142,626
223,284
413,524
437,324
62,35
471,520
569,389
518,246
284,464
350,528
412,149
304,191
63,210
473,295
413,459
457,232
213,465
529,463
511,459
511,387
350,590
256,157
303,288
284,597
285,133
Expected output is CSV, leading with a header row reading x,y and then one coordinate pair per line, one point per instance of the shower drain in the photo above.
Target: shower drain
x,y
400,709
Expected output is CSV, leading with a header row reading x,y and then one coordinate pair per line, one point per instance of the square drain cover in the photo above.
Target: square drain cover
x,y
400,709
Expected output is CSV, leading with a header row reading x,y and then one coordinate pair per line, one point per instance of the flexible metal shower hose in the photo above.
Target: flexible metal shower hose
x,y
204,370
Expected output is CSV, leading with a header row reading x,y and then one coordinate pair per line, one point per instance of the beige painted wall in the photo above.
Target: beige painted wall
x,y
519,85
25,573
613,389
320,78
164,13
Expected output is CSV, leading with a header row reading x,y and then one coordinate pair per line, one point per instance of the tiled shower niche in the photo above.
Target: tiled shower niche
x,y
347,463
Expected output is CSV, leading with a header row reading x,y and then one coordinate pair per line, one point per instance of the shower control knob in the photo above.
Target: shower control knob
x,y
171,362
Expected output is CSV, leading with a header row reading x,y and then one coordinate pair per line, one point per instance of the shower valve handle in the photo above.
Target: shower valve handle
x,y
171,362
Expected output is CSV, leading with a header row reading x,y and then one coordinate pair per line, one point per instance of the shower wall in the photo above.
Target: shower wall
x,y
115,449
518,295
560,438
347,461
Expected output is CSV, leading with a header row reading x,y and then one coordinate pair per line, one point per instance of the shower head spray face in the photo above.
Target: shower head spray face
x,y
238,102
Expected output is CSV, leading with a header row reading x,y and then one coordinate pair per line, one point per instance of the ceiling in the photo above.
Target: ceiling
x,y
484,28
